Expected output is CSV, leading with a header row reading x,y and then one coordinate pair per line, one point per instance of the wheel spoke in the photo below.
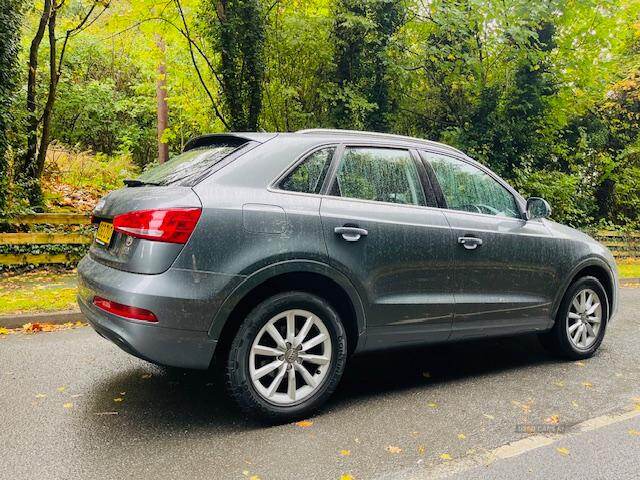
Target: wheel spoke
x,y
577,334
589,329
291,327
291,386
317,340
574,316
584,336
309,380
317,359
277,381
276,336
593,319
302,334
592,308
573,327
267,351
268,368
583,300
576,304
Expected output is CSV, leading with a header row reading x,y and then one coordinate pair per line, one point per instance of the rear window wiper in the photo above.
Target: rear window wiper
x,y
134,182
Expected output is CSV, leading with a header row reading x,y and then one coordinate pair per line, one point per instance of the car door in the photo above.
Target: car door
x,y
504,276
383,232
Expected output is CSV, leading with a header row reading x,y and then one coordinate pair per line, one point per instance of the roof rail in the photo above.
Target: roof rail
x,y
337,131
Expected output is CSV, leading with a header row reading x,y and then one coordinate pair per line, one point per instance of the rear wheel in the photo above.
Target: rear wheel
x,y
581,321
287,357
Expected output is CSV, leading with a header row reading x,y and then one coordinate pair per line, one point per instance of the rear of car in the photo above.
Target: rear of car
x,y
128,289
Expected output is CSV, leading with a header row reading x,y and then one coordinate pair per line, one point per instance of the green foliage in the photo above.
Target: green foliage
x,y
235,29
362,33
545,93
10,18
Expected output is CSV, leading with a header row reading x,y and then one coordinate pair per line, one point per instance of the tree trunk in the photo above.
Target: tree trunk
x,y
163,108
33,121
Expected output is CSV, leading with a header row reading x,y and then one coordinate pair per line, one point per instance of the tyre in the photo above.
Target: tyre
x,y
287,357
581,321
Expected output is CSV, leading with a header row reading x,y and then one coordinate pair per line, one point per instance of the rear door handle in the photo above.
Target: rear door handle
x,y
470,243
351,234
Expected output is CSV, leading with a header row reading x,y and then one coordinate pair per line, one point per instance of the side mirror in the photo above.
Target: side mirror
x,y
538,208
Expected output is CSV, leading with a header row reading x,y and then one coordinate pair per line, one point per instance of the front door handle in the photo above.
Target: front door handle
x,y
470,243
351,234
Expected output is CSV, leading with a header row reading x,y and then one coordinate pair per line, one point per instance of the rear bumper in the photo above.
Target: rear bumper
x,y
184,302
164,346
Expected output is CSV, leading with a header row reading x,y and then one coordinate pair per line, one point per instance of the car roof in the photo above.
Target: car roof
x,y
365,136
320,134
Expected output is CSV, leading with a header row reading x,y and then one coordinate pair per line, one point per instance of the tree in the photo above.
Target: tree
x,y
362,33
39,126
235,29
10,19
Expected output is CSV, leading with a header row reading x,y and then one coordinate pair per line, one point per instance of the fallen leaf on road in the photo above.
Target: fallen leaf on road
x,y
304,423
346,476
445,456
106,413
77,395
117,399
587,384
123,393
574,404
392,449
345,453
634,432
61,389
4,331
146,375
559,384
31,327
421,449
245,473
254,477
563,451
68,405
490,417
552,420
432,405
461,436
579,364
41,395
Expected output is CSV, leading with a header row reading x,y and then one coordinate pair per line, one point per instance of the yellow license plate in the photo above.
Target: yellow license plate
x,y
103,235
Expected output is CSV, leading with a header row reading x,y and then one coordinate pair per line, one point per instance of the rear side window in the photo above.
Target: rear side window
x,y
379,174
188,168
308,176
467,188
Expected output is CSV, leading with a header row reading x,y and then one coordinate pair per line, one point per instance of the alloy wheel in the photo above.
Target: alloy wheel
x,y
584,319
290,356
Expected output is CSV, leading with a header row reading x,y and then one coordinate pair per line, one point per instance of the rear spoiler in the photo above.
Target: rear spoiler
x,y
231,139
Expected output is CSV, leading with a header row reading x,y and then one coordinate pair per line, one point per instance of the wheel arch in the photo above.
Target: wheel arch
x,y
308,276
594,267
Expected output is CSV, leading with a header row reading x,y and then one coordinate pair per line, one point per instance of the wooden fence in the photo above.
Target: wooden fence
x,y
44,238
621,244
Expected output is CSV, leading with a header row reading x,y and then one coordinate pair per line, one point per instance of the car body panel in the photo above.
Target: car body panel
x,y
409,281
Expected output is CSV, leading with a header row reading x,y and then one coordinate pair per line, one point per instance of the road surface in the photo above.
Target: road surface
x,y
72,405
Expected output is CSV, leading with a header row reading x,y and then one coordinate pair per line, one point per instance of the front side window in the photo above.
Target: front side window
x,y
467,188
308,176
379,174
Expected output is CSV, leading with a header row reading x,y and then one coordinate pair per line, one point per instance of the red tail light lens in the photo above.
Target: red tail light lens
x,y
172,225
125,311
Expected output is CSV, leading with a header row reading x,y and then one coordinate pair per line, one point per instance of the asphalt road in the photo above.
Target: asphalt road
x,y
72,405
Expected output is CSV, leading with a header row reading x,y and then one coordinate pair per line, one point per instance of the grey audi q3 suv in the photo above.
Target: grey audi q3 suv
x,y
276,256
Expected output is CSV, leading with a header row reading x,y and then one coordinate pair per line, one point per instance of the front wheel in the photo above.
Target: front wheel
x,y
287,357
581,320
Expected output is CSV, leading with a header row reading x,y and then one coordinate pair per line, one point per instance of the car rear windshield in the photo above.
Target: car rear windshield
x,y
188,168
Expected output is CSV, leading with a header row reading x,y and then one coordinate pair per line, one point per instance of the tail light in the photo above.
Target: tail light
x,y
125,311
171,225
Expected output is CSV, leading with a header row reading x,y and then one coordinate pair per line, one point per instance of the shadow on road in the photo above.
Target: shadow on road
x,y
173,400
